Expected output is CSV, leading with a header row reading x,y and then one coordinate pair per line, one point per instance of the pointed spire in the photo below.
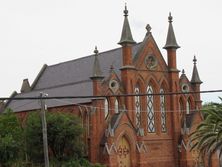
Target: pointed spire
x,y
195,76
25,86
171,39
97,73
126,36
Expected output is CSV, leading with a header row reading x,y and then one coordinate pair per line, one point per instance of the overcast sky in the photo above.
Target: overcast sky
x,y
33,33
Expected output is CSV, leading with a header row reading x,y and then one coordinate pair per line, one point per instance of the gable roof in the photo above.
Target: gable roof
x,y
71,78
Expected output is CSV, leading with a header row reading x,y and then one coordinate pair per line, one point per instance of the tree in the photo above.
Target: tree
x,y
207,137
11,138
64,136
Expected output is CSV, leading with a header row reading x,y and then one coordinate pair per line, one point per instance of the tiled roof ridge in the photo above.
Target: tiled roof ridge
x,y
57,86
83,57
90,56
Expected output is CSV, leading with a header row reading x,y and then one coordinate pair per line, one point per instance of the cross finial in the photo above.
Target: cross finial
x,y
194,60
170,18
96,51
148,28
125,11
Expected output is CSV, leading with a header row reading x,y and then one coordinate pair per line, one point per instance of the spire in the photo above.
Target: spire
x,y
96,66
171,39
126,36
195,76
25,86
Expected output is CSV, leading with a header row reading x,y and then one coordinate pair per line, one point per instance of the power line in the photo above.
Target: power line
x,y
114,95
113,109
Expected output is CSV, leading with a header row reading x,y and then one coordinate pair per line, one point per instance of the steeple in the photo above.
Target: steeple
x,y
126,37
195,76
171,39
97,73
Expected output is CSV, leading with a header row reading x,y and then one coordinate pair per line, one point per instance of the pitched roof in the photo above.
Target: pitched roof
x,y
71,78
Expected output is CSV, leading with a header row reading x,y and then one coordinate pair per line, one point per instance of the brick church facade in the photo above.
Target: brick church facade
x,y
149,128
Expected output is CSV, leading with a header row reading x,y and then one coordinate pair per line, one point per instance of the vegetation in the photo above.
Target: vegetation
x,y
64,141
10,138
64,136
208,136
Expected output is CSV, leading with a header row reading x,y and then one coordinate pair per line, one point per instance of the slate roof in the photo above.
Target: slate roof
x,y
71,78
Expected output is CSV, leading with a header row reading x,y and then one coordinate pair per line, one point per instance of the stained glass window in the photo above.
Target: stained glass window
x,y
162,111
137,108
150,110
116,106
106,108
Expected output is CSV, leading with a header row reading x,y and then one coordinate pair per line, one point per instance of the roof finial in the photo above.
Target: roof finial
x,y
148,28
96,51
125,11
194,60
183,71
170,18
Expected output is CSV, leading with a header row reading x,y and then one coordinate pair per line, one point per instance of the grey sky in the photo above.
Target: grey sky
x,y
33,33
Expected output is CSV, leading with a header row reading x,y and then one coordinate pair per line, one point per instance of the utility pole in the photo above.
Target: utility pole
x,y
44,128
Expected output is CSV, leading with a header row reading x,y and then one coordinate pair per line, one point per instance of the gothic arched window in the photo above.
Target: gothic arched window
x,y
116,106
150,110
188,107
180,106
137,107
163,110
106,108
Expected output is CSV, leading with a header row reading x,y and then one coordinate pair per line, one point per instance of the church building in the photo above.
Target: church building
x,y
138,111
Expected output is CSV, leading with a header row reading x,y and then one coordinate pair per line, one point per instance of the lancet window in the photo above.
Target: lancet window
x,y
188,107
116,106
106,108
163,110
137,107
150,110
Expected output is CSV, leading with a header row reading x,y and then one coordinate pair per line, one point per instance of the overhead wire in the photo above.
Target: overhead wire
x,y
106,96
113,109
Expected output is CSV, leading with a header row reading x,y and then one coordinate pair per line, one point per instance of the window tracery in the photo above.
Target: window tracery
x,y
150,110
163,111
137,107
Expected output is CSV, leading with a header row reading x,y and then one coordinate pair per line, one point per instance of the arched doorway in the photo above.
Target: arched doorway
x,y
123,153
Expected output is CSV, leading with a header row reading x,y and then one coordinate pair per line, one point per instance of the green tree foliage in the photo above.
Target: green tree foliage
x,y
64,136
11,138
64,141
208,136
